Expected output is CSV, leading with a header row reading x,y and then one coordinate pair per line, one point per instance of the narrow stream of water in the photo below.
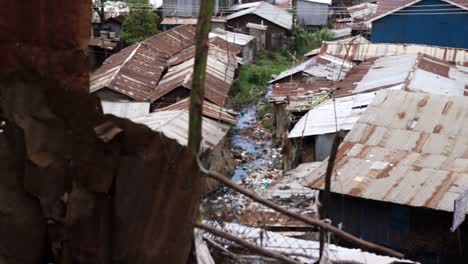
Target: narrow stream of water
x,y
255,150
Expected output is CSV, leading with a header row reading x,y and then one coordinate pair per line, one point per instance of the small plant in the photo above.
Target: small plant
x,y
305,41
252,82
139,24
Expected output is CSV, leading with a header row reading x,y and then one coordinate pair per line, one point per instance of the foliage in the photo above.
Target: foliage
x,y
98,6
139,24
253,78
304,41
265,113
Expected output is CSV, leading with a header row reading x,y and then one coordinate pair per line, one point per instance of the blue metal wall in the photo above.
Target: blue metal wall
x,y
450,30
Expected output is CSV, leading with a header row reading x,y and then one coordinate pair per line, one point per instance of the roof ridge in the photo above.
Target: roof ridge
x,y
409,77
124,63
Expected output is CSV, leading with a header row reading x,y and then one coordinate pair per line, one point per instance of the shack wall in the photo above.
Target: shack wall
x,y
275,36
444,28
421,234
311,14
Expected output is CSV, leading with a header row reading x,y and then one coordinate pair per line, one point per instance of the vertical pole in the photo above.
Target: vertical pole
x,y
325,204
198,78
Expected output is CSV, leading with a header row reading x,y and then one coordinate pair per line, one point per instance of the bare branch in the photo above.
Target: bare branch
x,y
268,253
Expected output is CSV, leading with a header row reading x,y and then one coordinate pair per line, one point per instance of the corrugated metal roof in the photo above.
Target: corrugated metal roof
x,y
415,73
232,37
362,11
266,11
387,7
125,109
175,125
407,148
342,32
411,72
358,39
323,66
226,45
363,52
219,77
321,119
137,70
209,110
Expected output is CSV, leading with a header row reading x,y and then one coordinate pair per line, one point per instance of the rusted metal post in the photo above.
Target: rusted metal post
x,y
325,204
199,72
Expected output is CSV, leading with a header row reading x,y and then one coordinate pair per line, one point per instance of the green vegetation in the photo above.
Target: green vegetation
x,y
265,113
139,24
253,78
304,41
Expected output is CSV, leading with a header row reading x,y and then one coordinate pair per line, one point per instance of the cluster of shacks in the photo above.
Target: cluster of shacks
x,y
149,82
404,159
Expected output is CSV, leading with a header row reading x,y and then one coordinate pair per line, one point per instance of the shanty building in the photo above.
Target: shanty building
x,y
278,22
311,137
312,13
245,42
430,22
298,89
398,173
159,70
174,124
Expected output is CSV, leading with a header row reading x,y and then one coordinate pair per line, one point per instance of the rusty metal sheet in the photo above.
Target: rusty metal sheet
x,y
410,72
267,11
407,148
362,11
102,43
136,70
209,110
139,70
220,73
322,66
175,124
363,52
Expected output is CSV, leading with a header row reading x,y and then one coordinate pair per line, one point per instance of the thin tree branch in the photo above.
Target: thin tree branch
x,y
267,253
221,248
338,232
199,73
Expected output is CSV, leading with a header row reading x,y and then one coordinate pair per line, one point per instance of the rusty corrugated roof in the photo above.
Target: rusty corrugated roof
x,y
209,110
219,76
362,11
407,148
363,52
137,71
410,72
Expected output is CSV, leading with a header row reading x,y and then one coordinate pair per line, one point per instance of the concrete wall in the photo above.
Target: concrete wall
x,y
311,14
450,30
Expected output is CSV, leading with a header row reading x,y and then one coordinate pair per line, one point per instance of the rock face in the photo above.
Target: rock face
x,y
77,186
